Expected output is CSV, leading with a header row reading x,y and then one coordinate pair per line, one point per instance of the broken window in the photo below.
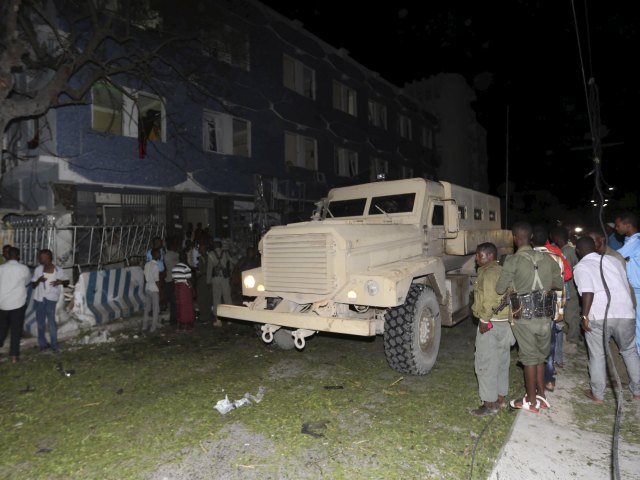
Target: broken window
x,y
300,151
106,108
298,77
377,114
345,99
225,134
346,162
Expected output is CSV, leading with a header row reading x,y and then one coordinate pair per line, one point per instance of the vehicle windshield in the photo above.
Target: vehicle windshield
x,y
346,208
388,204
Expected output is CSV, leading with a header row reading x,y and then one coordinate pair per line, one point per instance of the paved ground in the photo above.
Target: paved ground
x,y
573,439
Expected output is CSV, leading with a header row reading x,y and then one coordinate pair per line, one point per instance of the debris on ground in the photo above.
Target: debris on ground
x,y
120,391
334,387
96,337
308,428
224,406
63,372
28,389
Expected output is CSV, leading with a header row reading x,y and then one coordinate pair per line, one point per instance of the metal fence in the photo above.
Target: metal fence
x,y
81,245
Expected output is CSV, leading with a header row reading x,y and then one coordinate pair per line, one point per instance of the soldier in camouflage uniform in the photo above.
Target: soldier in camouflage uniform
x,y
494,337
532,275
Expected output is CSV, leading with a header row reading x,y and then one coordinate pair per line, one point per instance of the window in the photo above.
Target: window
x,y
387,204
377,167
300,151
346,208
225,134
437,217
132,114
227,44
150,117
345,99
298,77
462,212
346,162
404,127
492,216
106,111
406,172
478,214
426,137
377,114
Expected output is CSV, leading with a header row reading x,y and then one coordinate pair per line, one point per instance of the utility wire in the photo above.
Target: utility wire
x,y
593,111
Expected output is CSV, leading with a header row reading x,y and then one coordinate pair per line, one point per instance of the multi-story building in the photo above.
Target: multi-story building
x,y
258,104
461,141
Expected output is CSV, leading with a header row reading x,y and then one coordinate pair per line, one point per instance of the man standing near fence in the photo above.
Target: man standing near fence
x,y
151,291
47,283
219,269
14,279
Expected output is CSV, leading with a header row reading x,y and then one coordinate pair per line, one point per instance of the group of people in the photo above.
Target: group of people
x,y
194,276
549,288
46,282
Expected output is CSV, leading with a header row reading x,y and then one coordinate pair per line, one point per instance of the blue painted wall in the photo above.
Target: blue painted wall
x,y
259,96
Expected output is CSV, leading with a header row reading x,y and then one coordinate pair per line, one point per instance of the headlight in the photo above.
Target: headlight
x,y
372,287
260,288
249,281
351,294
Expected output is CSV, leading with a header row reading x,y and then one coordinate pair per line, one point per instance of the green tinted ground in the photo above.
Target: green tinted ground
x,y
144,409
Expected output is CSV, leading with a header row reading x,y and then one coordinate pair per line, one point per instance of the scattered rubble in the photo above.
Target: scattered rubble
x,y
224,406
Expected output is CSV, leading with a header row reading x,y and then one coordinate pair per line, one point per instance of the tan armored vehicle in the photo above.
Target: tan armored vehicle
x,y
390,258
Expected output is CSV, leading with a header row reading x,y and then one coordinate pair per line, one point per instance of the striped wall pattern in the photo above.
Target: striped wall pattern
x,y
109,294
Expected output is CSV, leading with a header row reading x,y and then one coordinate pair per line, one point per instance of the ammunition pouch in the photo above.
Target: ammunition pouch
x,y
537,304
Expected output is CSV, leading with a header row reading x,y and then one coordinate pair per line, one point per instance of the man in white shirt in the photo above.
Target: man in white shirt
x,y
47,283
14,279
151,291
620,317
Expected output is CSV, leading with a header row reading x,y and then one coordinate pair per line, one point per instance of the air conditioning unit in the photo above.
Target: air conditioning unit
x,y
321,177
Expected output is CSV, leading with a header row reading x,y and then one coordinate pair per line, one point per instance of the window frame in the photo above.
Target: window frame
x,y
298,77
374,108
301,150
344,104
339,157
225,122
405,126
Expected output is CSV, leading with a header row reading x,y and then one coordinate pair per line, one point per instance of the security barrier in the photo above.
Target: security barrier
x,y
104,295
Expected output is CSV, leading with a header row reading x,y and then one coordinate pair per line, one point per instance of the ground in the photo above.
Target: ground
x,y
143,408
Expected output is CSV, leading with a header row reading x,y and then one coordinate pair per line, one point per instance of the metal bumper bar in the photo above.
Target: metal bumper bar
x,y
349,326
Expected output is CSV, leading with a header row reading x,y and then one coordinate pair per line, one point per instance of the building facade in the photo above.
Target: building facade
x,y
461,141
261,118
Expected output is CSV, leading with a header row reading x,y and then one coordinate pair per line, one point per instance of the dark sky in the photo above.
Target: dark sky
x,y
530,50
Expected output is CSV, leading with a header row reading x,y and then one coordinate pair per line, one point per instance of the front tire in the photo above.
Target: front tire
x,y
412,332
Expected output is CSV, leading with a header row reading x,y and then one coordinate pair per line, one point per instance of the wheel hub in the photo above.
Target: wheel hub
x,y
427,328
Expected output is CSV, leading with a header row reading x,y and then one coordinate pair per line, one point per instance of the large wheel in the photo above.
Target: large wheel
x,y
412,332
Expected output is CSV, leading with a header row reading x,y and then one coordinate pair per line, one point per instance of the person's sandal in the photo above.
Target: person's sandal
x,y
483,411
544,403
589,394
550,386
524,405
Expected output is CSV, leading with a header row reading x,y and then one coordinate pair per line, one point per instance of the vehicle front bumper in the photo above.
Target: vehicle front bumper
x,y
349,326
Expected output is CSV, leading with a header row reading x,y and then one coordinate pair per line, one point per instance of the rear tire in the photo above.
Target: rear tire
x,y
412,332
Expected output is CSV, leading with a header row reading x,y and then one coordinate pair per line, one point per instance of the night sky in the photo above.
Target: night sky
x,y
518,53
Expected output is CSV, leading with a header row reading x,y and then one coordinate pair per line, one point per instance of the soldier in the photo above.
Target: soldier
x,y
532,275
218,276
494,338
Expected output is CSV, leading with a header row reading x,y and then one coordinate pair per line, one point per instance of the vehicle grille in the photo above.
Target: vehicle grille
x,y
297,263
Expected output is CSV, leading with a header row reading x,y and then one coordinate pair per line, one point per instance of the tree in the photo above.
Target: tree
x,y
53,51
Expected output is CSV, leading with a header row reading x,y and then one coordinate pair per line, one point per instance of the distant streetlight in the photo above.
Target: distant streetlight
x,y
611,189
577,229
